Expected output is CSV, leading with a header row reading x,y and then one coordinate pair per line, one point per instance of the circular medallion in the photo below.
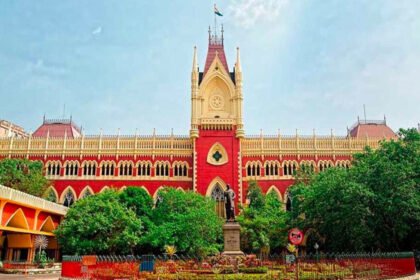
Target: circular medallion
x,y
217,102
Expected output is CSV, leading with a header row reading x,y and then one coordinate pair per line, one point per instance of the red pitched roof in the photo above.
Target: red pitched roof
x,y
58,128
215,45
371,129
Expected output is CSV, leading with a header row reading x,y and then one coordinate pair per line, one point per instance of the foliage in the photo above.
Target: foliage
x,y
262,222
186,220
140,202
23,175
99,224
379,196
41,259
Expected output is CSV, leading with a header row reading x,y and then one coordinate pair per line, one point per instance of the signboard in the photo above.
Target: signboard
x,y
295,236
88,260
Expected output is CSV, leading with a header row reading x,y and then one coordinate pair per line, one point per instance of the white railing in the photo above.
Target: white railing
x,y
32,201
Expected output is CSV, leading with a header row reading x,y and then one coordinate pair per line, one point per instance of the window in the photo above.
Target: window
x,y
307,166
86,193
162,169
126,168
53,168
69,198
323,165
108,168
253,169
180,169
143,168
217,195
289,168
72,168
271,168
89,168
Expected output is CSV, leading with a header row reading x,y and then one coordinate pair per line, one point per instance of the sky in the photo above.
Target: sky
x,y
127,64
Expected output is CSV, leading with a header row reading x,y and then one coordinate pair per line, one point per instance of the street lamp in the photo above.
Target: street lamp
x,y
316,247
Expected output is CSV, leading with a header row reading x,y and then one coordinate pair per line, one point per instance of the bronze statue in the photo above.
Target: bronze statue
x,y
229,204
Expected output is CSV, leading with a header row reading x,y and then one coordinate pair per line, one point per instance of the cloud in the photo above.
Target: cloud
x,y
97,31
247,13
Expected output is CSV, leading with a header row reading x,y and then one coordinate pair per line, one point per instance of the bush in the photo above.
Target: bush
x,y
253,270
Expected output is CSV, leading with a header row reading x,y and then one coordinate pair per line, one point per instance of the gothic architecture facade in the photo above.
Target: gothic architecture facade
x,y
216,152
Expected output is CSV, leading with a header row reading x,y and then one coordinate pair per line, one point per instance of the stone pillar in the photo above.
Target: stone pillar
x,y
232,239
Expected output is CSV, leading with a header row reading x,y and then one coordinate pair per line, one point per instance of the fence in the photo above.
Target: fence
x,y
329,266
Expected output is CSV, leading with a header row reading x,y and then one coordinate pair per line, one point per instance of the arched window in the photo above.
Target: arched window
x,y
87,192
69,198
289,168
126,168
253,169
53,168
217,194
162,169
180,169
72,168
89,168
107,168
51,195
143,168
271,168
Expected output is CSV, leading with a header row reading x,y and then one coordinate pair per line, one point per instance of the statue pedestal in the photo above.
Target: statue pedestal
x,y
232,239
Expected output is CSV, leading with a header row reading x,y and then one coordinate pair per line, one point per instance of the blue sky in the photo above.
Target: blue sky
x,y
126,64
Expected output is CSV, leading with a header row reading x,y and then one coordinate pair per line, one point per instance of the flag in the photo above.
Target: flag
x,y
216,11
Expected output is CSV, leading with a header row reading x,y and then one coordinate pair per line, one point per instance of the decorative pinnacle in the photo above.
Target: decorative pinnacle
x,y
195,66
238,60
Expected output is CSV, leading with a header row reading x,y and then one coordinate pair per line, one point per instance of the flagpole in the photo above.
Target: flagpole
x,y
215,22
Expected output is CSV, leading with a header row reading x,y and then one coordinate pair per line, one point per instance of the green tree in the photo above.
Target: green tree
x,y
263,222
187,221
392,172
375,205
99,224
23,175
329,205
138,200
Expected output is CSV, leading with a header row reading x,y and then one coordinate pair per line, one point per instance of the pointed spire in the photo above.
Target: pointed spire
x,y
238,60
195,66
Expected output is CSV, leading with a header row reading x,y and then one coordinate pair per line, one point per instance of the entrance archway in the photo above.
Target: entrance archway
x,y
216,191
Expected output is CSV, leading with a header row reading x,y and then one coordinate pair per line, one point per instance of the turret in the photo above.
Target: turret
x,y
194,95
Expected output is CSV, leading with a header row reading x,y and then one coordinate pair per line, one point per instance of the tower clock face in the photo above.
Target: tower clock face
x,y
217,102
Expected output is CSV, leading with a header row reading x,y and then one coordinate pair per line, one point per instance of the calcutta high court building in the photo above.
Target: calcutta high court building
x,y
215,153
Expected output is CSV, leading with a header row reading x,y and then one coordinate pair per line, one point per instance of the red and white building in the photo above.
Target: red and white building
x,y
216,152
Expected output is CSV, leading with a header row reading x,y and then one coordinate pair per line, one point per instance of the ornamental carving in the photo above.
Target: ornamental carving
x,y
217,102
217,155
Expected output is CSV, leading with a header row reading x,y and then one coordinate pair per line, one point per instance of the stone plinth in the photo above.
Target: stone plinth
x,y
232,239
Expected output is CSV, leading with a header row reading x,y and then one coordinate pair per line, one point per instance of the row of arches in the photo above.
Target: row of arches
x,y
289,168
126,168
69,196
19,220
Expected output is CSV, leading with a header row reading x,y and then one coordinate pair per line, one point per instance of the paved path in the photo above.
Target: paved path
x,y
32,277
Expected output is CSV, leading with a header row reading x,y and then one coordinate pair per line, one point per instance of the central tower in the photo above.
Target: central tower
x,y
216,121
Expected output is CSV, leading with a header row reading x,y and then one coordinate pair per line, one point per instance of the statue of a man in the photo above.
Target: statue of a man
x,y
229,204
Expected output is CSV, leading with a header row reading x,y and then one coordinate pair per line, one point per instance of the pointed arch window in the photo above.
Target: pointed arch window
x,y
72,168
143,168
69,198
217,194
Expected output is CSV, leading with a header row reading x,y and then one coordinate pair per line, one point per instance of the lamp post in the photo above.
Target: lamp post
x,y
316,247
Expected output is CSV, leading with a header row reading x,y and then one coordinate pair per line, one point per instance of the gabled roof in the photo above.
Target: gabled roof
x,y
215,47
371,128
58,128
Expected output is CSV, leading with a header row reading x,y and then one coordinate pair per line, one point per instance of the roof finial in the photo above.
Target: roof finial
x,y
194,66
209,33
238,60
